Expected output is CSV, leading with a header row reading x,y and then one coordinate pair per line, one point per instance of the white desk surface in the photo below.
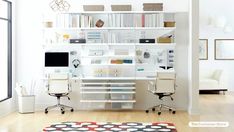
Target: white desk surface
x,y
113,78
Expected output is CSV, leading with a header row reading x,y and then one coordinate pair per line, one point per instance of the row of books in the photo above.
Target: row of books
x,y
136,20
74,21
114,20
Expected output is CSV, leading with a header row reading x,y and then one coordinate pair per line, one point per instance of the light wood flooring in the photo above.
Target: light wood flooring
x,y
213,107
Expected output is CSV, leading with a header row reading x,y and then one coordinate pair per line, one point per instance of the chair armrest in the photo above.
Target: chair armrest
x,y
151,86
223,81
46,85
69,86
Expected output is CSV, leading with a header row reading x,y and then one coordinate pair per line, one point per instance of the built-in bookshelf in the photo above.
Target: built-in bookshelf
x,y
130,45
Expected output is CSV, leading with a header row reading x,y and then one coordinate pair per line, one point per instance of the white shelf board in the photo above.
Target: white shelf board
x,y
112,44
110,28
94,44
157,44
121,44
131,28
109,88
121,64
109,78
122,56
105,83
146,78
108,101
109,56
144,64
116,78
101,56
123,12
108,92
57,44
107,64
146,71
107,44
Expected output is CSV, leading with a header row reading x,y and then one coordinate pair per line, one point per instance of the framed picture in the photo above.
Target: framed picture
x,y
224,49
203,49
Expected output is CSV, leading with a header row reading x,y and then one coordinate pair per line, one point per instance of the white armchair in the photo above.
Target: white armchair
x,y
214,80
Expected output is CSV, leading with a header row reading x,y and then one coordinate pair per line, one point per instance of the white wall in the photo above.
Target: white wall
x,y
30,51
210,31
210,9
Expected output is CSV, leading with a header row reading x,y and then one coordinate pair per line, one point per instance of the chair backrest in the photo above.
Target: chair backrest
x,y
165,83
58,83
217,74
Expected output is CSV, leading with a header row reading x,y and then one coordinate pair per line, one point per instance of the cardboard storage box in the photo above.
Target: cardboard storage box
x,y
48,24
153,6
93,7
169,24
121,7
164,40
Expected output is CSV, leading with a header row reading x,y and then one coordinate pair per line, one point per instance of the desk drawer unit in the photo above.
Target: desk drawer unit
x,y
115,94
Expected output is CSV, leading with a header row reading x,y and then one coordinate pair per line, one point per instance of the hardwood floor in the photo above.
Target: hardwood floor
x,y
213,108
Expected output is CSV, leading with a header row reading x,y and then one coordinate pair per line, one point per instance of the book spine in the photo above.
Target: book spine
x,y
143,20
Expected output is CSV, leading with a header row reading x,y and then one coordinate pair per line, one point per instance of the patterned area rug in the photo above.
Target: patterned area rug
x,y
110,127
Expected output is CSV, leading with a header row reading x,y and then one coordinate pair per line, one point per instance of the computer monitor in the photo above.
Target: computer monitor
x,y
56,59
56,62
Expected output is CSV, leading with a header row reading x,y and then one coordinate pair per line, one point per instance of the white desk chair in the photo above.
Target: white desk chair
x,y
163,86
58,85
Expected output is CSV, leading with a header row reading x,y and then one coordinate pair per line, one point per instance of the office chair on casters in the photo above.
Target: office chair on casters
x,y
58,85
164,86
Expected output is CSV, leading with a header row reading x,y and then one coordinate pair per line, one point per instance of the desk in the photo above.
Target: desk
x,y
114,92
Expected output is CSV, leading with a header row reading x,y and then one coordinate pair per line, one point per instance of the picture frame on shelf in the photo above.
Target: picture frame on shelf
x,y
223,49
203,49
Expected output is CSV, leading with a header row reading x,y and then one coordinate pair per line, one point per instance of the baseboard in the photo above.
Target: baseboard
x,y
192,111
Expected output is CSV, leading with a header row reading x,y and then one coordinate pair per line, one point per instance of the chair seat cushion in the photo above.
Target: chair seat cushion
x,y
208,84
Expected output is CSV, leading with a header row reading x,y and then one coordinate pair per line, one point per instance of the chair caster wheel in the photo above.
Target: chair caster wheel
x,y
159,113
46,111
62,112
153,109
173,112
147,111
62,109
72,110
170,109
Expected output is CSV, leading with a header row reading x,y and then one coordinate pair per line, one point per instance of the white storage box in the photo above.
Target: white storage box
x,y
94,96
122,96
127,106
116,105
26,103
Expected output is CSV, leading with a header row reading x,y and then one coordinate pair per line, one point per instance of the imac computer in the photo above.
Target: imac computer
x,y
57,62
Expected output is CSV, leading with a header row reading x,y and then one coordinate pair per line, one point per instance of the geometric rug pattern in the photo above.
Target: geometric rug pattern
x,y
110,127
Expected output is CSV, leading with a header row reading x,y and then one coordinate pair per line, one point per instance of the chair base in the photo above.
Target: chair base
x,y
61,106
159,107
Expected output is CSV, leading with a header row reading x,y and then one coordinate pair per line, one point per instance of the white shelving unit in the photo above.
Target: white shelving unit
x,y
109,77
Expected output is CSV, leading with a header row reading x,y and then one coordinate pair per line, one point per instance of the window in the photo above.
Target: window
x,y
5,50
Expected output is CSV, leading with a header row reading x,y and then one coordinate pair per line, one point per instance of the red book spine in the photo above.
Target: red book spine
x,y
143,20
